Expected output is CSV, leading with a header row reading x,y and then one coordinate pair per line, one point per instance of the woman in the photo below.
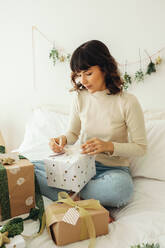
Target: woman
x,y
102,117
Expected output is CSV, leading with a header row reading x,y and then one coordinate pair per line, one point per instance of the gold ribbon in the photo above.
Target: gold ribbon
x,y
87,225
7,161
39,233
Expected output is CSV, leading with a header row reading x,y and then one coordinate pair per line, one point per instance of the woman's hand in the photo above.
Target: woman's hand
x,y
95,146
55,143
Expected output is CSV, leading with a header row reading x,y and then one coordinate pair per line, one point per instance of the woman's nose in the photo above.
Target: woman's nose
x,y
83,80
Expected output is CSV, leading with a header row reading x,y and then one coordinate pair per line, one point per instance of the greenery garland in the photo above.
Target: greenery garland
x,y
16,226
139,75
56,56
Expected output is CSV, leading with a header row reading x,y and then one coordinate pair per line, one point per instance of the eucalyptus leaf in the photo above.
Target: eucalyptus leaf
x,y
21,156
139,76
127,78
151,68
125,86
2,149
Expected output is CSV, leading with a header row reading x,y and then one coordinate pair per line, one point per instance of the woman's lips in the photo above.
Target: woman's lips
x,y
89,86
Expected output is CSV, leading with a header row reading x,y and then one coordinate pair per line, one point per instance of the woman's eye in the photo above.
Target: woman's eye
x,y
87,74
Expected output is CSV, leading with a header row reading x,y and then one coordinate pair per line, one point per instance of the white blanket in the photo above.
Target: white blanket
x,y
141,221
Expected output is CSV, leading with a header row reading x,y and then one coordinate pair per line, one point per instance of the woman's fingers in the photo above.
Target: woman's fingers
x,y
63,140
87,145
56,148
91,148
93,153
89,142
54,145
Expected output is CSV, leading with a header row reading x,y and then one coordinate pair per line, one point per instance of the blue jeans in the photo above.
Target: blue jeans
x,y
112,186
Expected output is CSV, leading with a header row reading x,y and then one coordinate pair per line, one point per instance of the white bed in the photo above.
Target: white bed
x,y
143,219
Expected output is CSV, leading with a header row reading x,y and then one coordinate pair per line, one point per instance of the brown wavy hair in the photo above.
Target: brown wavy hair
x,y
93,53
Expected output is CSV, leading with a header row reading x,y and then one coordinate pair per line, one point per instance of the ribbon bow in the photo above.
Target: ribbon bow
x,y
4,238
7,161
81,206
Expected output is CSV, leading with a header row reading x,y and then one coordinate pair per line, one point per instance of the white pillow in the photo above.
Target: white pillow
x,y
43,125
151,114
152,164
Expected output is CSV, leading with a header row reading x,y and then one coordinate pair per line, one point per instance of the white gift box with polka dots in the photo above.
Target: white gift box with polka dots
x,y
70,171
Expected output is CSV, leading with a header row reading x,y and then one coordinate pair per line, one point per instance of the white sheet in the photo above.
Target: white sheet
x,y
141,221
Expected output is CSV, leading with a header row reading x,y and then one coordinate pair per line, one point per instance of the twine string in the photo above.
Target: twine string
x,y
34,28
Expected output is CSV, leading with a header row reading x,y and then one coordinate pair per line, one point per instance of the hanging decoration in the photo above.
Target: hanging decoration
x,y
127,78
151,66
56,55
140,74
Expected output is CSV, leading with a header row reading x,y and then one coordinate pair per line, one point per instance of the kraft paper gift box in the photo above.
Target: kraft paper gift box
x,y
64,233
71,170
17,189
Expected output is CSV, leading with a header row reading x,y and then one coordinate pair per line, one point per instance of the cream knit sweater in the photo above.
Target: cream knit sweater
x,y
116,118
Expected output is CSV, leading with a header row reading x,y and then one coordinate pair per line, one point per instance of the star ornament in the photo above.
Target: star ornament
x,y
4,238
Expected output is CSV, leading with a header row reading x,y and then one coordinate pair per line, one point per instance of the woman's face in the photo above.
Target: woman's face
x,y
92,79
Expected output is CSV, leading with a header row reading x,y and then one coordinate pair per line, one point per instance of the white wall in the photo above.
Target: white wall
x,y
124,26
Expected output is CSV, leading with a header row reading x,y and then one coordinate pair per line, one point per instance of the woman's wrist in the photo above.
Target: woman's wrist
x,y
64,139
110,149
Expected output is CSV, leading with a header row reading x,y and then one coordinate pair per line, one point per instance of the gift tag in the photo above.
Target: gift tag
x,y
71,216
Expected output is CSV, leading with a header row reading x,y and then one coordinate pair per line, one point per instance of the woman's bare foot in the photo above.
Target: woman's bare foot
x,y
111,219
75,196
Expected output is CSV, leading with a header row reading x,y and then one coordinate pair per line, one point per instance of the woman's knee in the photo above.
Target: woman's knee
x,y
113,188
122,188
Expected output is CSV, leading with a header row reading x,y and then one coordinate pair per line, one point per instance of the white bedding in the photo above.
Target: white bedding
x,y
141,221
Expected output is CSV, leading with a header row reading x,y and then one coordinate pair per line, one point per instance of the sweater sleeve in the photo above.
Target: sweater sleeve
x,y
134,120
74,124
